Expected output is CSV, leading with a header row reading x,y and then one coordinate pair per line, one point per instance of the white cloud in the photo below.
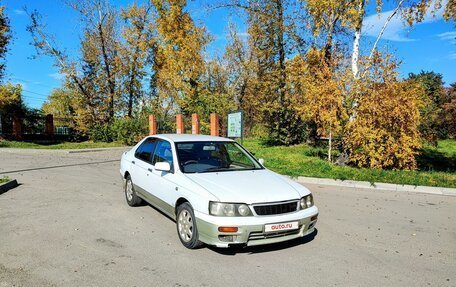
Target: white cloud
x,y
57,76
452,56
19,12
447,36
396,30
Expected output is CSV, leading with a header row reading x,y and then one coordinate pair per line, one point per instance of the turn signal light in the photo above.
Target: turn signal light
x,y
227,229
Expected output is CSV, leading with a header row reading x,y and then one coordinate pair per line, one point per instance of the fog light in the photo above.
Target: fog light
x,y
226,238
227,229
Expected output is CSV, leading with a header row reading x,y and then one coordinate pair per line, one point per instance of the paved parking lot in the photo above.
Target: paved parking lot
x,y
67,224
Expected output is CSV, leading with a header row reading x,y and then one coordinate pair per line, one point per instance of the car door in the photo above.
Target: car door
x,y
141,166
164,186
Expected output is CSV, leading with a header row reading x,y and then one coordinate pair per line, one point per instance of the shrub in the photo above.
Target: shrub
x,y
129,131
101,133
126,131
385,133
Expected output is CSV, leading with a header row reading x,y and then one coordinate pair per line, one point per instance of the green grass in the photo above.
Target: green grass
x,y
302,160
437,163
64,145
4,179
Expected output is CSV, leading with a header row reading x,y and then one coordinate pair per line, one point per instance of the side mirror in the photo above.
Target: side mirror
x,y
261,161
163,166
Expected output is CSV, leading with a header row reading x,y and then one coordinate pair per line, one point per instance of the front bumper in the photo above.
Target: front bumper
x,y
251,228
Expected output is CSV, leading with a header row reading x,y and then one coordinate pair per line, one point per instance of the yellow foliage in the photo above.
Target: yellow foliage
x,y
10,98
384,132
318,92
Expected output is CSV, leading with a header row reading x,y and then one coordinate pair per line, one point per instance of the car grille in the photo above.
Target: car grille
x,y
276,208
262,235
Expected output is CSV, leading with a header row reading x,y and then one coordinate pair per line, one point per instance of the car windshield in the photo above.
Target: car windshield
x,y
214,157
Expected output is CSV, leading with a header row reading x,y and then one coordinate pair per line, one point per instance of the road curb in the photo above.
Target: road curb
x,y
98,149
377,185
4,187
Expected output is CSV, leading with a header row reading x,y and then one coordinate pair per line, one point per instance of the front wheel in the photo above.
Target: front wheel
x,y
130,193
186,226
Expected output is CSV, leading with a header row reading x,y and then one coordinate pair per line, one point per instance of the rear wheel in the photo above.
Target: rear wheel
x,y
130,194
186,226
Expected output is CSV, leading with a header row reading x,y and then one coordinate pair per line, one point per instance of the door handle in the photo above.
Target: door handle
x,y
133,162
149,169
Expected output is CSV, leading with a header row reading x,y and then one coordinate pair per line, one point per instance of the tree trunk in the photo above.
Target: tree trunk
x,y
111,83
355,53
329,144
329,38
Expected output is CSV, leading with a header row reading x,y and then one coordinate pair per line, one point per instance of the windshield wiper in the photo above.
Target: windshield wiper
x,y
212,169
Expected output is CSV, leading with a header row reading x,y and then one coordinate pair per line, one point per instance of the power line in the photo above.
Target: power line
x,y
32,97
35,93
31,82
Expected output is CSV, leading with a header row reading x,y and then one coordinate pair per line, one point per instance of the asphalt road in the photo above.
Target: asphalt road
x,y
67,224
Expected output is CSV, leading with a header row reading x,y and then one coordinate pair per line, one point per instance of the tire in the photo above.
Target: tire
x,y
130,193
186,226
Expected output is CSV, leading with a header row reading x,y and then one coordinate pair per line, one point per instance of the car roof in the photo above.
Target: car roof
x,y
191,138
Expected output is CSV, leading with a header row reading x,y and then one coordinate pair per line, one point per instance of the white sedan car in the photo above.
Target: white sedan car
x,y
216,191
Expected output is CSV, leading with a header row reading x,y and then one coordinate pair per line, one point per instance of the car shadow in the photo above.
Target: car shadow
x,y
233,250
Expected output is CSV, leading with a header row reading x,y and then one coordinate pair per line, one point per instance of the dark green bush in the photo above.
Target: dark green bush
x,y
127,131
101,133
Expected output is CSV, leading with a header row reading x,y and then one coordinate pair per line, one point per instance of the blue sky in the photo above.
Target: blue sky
x,y
427,46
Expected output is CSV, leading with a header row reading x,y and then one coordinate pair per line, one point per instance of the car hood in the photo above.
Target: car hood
x,y
253,186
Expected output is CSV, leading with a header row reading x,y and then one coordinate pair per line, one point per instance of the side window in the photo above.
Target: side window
x,y
163,153
145,150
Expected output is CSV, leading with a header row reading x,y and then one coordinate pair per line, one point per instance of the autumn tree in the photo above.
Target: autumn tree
x,y
60,104
269,36
100,46
5,38
432,127
327,19
109,76
449,112
136,51
11,99
216,96
322,104
385,131
92,77
11,104
242,77
178,64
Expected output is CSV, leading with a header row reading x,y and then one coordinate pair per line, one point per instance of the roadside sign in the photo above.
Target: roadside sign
x,y
235,125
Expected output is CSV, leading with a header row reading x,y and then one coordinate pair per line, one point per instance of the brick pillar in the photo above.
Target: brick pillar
x,y
215,124
49,125
180,124
17,127
152,125
195,124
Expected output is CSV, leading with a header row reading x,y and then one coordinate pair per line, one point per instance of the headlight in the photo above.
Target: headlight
x,y
307,201
229,209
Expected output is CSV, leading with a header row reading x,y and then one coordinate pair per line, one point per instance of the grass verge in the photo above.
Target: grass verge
x,y
64,145
298,160
4,179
